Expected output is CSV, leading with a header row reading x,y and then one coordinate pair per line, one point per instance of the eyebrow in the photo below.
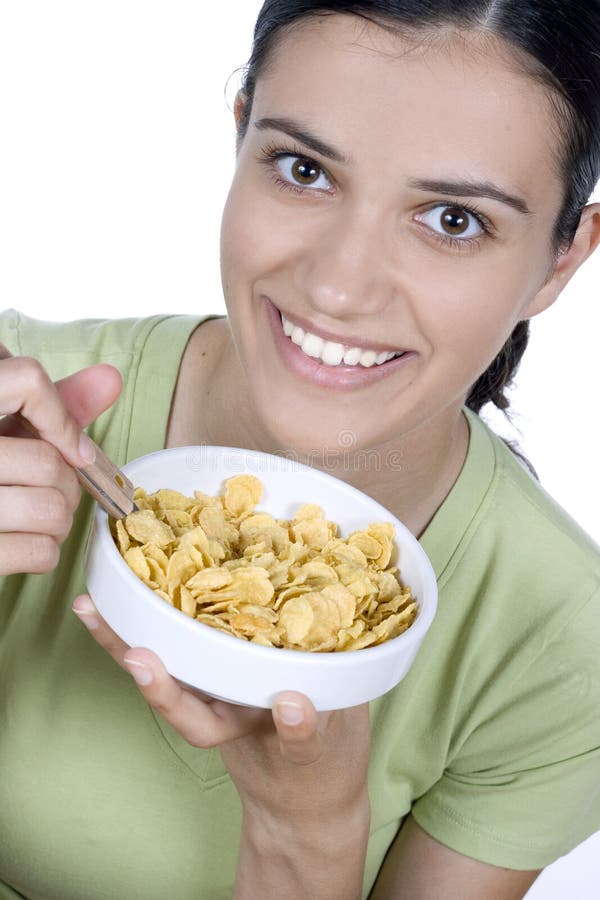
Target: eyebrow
x,y
471,189
451,188
301,133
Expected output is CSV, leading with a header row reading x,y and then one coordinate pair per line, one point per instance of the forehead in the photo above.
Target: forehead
x,y
443,101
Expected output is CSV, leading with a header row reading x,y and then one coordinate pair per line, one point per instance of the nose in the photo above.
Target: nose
x,y
346,266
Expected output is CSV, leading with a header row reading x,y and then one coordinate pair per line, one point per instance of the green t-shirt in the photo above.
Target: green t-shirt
x,y
492,740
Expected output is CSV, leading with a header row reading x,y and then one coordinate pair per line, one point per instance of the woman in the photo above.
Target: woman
x,y
410,190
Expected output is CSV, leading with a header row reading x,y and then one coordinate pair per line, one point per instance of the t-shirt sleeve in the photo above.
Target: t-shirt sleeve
x,y
524,787
9,320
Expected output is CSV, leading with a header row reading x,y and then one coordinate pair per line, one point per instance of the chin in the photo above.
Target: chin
x,y
317,443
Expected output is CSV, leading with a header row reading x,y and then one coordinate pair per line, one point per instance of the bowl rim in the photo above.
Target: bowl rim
x,y
425,609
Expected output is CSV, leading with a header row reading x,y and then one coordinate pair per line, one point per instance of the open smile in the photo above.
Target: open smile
x,y
334,353
329,363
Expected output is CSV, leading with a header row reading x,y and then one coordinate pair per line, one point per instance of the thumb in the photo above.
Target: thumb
x,y
299,728
89,392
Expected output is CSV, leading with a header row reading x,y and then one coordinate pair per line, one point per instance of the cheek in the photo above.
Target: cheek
x,y
474,305
240,240
249,230
262,236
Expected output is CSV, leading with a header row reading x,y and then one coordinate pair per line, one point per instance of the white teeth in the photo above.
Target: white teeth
x,y
330,352
368,358
297,335
312,345
352,357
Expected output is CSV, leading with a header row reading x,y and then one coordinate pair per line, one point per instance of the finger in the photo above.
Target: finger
x,y
200,723
89,392
299,728
25,387
32,553
34,463
86,612
85,394
30,461
36,510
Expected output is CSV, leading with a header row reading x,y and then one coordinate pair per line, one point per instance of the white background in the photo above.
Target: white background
x,y
116,152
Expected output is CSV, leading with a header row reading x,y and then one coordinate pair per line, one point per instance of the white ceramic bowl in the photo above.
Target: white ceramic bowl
x,y
228,667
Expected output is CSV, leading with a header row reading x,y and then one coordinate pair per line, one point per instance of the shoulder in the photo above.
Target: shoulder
x,y
514,654
522,583
525,530
77,343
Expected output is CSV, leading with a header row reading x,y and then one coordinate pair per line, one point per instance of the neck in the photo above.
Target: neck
x,y
411,476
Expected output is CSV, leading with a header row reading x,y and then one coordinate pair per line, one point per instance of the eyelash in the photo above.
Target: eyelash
x,y
270,154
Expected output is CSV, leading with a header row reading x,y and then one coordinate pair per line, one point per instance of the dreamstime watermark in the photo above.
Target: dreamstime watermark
x,y
344,457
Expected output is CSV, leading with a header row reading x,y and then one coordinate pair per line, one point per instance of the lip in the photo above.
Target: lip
x,y
342,377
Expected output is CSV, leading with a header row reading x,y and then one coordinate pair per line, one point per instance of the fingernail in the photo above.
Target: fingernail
x,y
83,604
141,674
87,450
85,611
289,713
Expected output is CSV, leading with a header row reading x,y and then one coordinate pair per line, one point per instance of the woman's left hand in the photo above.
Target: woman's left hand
x,y
301,776
288,764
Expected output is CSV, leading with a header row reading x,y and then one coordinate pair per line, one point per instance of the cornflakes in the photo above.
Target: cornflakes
x,y
277,583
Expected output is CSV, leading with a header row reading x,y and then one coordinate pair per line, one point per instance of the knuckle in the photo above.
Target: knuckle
x,y
50,463
109,641
55,510
200,741
300,756
34,374
63,532
44,554
161,706
72,490
38,389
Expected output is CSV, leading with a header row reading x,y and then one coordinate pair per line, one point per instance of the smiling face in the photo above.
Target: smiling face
x,y
388,200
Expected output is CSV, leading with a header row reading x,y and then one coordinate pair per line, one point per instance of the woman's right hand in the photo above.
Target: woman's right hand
x,y
39,491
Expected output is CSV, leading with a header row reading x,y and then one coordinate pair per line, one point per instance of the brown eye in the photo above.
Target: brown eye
x,y
454,224
455,221
302,173
305,172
